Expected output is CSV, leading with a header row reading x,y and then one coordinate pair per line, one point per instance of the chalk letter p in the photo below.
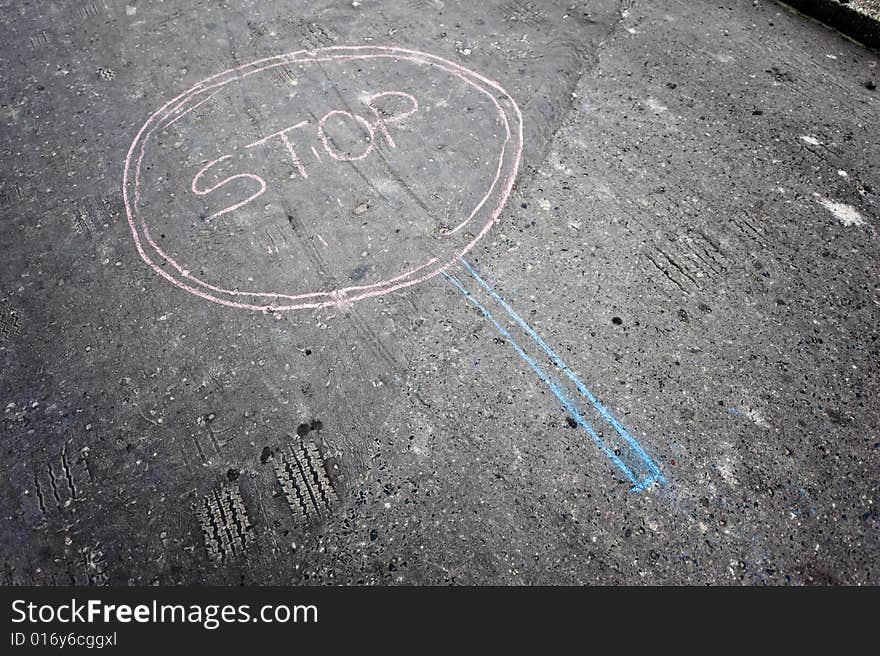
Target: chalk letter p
x,y
383,118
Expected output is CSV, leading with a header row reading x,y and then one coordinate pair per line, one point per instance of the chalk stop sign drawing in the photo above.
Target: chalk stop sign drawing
x,y
429,146
396,162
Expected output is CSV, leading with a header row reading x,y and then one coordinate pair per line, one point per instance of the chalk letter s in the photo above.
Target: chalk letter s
x,y
204,192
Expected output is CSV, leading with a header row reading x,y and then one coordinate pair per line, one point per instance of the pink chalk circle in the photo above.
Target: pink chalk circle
x,y
464,231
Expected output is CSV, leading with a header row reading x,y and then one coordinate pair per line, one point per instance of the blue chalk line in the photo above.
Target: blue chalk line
x,y
638,485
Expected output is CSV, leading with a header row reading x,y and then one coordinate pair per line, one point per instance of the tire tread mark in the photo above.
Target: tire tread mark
x,y
224,522
319,475
304,481
665,271
67,473
304,477
39,491
54,484
290,485
681,269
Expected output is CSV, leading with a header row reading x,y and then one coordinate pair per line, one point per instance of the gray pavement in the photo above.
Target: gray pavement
x,y
655,363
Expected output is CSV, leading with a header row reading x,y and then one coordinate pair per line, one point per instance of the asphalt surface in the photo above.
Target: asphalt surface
x,y
655,363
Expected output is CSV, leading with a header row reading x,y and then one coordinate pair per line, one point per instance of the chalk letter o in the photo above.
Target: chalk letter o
x,y
342,157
